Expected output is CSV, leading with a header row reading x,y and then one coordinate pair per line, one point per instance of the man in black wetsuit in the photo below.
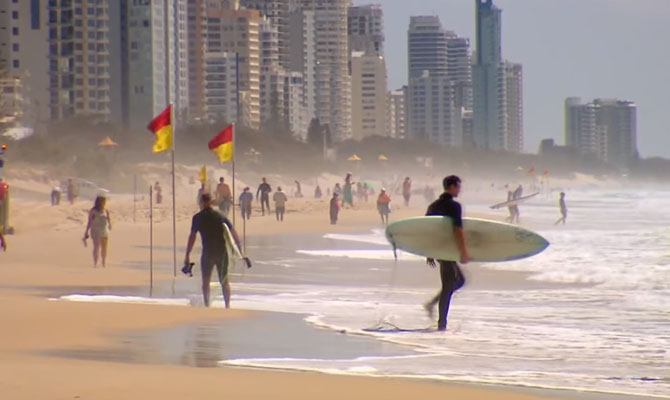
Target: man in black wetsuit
x,y
264,191
209,223
450,273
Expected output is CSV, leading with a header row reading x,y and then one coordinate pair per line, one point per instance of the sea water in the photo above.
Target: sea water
x,y
594,313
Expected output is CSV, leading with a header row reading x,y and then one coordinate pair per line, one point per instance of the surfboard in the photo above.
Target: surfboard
x,y
234,252
487,241
510,203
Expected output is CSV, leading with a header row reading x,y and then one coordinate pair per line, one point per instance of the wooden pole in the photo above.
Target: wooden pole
x,y
151,240
134,198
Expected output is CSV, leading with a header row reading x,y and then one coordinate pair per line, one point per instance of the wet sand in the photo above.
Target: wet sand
x,y
39,339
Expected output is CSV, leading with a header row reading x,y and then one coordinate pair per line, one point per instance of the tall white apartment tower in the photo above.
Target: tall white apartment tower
x,y
514,106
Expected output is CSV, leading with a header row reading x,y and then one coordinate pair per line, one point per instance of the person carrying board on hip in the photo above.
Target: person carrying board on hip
x,y
450,273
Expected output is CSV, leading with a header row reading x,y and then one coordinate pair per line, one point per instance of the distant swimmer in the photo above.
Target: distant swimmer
x,y
450,273
209,223
280,200
99,225
246,200
564,210
263,194
407,190
384,206
334,208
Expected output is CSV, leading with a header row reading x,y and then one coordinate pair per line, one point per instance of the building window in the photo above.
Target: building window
x,y
15,47
15,63
15,31
35,16
15,15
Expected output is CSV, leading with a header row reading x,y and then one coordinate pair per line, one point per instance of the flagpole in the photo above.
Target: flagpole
x,y
233,161
173,122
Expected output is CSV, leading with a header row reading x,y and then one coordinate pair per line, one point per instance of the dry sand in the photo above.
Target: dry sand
x,y
47,255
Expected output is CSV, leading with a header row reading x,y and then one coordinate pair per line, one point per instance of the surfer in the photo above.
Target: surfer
x,y
264,191
450,273
209,223
564,210
512,213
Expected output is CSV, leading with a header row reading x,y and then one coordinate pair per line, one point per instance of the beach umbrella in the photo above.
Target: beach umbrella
x,y
382,158
354,158
107,142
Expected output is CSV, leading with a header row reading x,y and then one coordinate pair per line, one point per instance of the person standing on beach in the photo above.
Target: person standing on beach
x,y
55,195
450,273
159,193
246,200
209,223
407,190
334,208
564,210
384,206
71,191
99,225
510,209
347,192
3,243
280,200
224,197
264,190
317,192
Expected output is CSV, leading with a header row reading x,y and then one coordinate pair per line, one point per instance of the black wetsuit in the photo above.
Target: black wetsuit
x,y
209,223
264,189
450,273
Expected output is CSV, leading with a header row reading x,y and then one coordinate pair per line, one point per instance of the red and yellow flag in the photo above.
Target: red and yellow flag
x,y
161,126
222,144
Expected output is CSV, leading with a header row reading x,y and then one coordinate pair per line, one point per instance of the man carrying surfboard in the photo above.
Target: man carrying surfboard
x,y
450,273
210,224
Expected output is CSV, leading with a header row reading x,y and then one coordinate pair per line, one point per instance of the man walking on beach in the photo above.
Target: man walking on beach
x,y
264,191
407,190
334,208
280,200
224,197
450,273
246,199
209,223
384,206
564,210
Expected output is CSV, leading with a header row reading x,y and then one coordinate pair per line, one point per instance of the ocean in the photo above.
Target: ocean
x,y
591,313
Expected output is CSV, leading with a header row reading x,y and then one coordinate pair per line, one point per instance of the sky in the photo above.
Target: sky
x,y
583,48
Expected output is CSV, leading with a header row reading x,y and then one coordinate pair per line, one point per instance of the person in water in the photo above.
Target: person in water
x,y
209,223
450,273
564,210
99,225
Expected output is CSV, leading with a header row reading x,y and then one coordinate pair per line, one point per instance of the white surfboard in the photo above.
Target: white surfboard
x,y
234,252
486,241
515,202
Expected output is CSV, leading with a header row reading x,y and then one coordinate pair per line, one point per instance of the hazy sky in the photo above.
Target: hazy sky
x,y
584,48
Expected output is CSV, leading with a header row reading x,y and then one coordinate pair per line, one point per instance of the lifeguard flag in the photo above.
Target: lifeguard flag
x,y
222,144
202,176
161,126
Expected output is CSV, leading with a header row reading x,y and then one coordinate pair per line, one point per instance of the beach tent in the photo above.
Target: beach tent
x,y
354,158
107,142
382,158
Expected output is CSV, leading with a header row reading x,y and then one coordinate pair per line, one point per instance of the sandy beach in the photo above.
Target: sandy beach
x,y
46,259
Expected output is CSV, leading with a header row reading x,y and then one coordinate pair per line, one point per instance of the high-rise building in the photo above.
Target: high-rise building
x,y
396,114
153,75
489,108
433,115
79,66
605,128
368,95
366,29
219,95
514,104
459,69
237,31
320,51
24,52
277,11
427,47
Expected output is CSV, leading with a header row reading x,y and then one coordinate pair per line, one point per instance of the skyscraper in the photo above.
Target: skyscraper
x,y
606,128
489,108
320,50
151,78
426,46
79,76
514,106
368,95
459,69
277,11
396,115
24,71
365,27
